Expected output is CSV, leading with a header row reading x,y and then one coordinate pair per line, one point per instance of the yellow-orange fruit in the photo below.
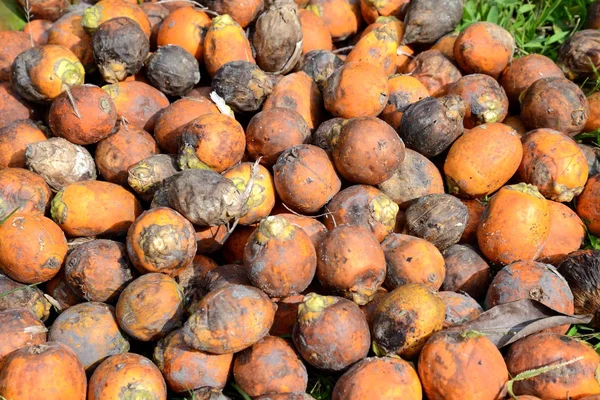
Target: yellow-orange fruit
x,y
20,328
185,368
377,47
482,160
138,104
445,44
262,196
466,271
315,230
379,378
14,106
16,295
404,55
105,10
357,89
315,34
331,333
92,208
91,331
38,30
161,240
225,41
515,122
150,307
460,308
515,225
185,27
554,163
239,317
172,120
13,43
404,90
14,138
210,238
393,23
415,311
466,366
588,207
576,380
23,191
242,12
61,291
523,71
41,73
119,151
342,17
69,32
32,248
270,366
372,10
127,375
567,232
43,371
484,47
593,121
46,9
410,259
300,93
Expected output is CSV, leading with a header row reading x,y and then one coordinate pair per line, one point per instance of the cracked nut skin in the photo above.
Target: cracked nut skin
x,y
32,248
230,319
127,376
161,240
531,280
331,333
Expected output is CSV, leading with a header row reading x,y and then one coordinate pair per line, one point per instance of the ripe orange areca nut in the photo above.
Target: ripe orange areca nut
x,y
69,32
14,139
523,71
466,271
567,232
404,90
377,47
588,207
185,27
342,17
515,225
105,10
225,41
13,44
315,34
434,70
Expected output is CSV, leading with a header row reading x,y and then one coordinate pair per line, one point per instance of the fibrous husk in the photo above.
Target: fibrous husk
x,y
243,85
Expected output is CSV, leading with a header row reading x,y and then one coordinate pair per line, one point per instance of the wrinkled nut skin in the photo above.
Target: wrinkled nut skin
x,y
272,131
367,159
482,160
40,74
243,13
300,93
305,178
578,379
14,139
447,370
377,47
150,307
185,368
13,43
76,209
239,317
485,98
342,17
262,196
425,24
173,119
587,205
364,206
437,218
331,333
32,248
351,261
460,308
225,41
61,291
270,366
172,70
476,208
315,35
129,375
567,232
484,48
415,177
69,32
185,27
243,85
280,258
161,240
15,107
42,370
138,104
404,90
315,230
98,270
379,378
21,296
24,191
579,55
523,71
319,65
568,103
515,225
554,163
78,326
357,89
105,10
412,260
430,125
466,271
434,70
323,136
119,151
20,328
405,319
531,280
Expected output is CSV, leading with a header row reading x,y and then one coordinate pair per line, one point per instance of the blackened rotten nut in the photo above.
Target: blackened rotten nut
x,y
429,126
581,269
326,132
319,65
172,70
424,22
243,85
120,48
146,176
579,56
230,319
331,333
